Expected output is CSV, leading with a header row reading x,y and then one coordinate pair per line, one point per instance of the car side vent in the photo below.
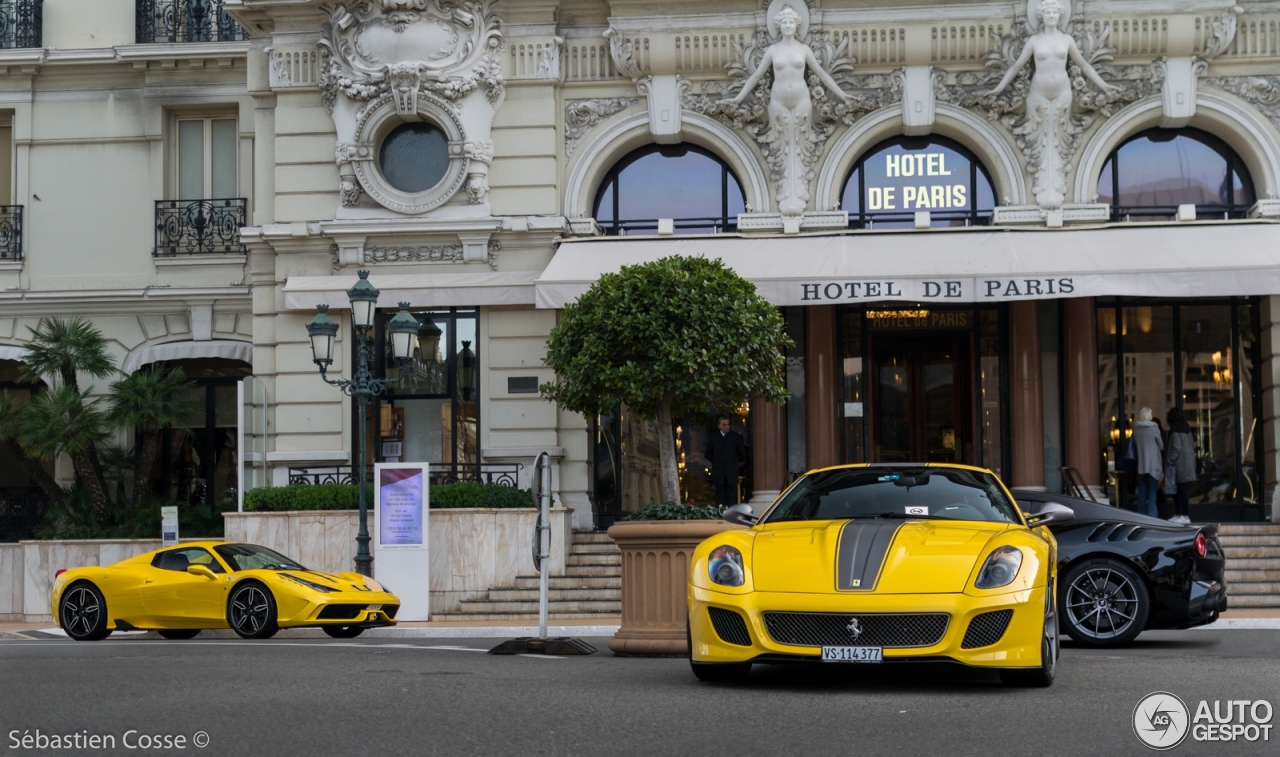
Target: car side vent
x,y
986,629
1098,532
1120,532
1136,533
730,626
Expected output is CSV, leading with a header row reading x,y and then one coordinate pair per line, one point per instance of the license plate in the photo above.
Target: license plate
x,y
375,607
853,654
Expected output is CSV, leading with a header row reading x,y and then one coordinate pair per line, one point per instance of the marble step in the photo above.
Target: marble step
x,y
1236,577
571,582
555,595
1250,587
1234,552
606,559
531,606
594,570
592,537
1237,601
1254,563
1234,529
526,619
1250,540
592,548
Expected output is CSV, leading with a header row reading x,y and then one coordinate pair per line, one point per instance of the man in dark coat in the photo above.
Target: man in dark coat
x,y
727,454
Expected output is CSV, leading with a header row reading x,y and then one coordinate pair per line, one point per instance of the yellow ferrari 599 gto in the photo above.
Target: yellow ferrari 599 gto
x,y
880,563
182,590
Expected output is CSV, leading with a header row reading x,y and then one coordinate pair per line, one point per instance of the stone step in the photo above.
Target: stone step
x,y
592,548
570,582
1234,529
555,595
526,619
1252,587
1254,563
613,559
592,537
1250,540
1237,601
594,570
531,606
1236,577
1235,552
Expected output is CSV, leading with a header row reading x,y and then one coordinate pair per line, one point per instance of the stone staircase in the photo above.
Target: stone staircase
x,y
1253,564
591,589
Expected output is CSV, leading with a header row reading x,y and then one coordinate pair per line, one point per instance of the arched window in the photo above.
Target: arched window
x,y
682,182
1151,174
902,176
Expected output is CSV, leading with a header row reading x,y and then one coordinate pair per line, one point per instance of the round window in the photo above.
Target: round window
x,y
414,157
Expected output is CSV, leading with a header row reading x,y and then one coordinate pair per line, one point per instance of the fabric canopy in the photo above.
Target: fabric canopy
x,y
217,348
956,265
418,289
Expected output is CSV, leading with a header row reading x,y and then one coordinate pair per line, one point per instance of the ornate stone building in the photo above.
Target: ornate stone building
x,y
997,230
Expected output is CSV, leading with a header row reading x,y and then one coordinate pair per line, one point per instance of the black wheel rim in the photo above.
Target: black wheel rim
x,y
1102,603
249,609
80,611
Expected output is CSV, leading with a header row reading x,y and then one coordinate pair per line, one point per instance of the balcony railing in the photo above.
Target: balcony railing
x,y
21,22
10,232
185,21
1205,212
507,474
200,227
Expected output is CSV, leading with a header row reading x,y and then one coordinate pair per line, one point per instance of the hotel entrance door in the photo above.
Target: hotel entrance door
x,y
921,398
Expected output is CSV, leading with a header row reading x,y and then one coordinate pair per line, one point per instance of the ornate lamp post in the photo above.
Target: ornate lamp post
x,y
402,332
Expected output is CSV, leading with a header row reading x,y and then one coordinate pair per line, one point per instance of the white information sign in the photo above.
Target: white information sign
x,y
401,500
168,526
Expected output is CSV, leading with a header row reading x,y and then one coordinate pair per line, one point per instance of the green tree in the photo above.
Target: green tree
x,y
10,431
150,400
667,338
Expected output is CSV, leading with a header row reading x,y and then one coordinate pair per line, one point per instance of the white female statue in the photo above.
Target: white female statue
x,y
790,108
1047,127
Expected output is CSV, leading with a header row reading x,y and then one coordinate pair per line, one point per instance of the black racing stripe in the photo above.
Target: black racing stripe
x,y
863,545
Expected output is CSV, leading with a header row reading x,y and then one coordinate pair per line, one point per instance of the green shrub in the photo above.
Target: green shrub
x,y
74,518
674,511
344,497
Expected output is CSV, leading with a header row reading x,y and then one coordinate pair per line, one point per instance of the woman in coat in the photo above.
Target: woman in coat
x,y
1181,461
1150,451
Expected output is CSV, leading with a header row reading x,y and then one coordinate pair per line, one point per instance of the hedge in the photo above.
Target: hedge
x,y
344,497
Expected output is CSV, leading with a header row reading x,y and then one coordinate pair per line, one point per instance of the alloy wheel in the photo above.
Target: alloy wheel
x,y
249,610
80,611
1102,603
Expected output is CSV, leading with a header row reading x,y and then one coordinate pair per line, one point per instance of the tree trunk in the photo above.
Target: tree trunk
x,y
37,472
146,465
667,452
90,472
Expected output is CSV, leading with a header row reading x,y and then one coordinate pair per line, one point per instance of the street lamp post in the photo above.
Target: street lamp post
x,y
403,333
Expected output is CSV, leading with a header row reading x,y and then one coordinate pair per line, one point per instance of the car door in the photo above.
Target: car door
x,y
171,595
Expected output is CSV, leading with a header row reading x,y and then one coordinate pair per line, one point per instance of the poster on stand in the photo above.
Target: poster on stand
x,y
401,554
168,526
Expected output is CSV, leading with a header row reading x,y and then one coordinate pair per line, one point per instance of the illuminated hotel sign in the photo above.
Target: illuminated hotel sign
x,y
917,319
924,181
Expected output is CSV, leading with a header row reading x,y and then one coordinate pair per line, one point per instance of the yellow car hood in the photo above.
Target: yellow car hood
x,y
878,556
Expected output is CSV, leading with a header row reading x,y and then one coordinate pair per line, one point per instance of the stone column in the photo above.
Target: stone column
x,y
768,449
822,433
1080,391
1026,421
1270,374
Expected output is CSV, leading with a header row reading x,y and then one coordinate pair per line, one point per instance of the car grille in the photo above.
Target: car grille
x,y
986,629
340,612
729,626
829,629
390,610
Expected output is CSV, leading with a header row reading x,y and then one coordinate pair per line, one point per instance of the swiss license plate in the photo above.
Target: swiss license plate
x,y
853,654
375,607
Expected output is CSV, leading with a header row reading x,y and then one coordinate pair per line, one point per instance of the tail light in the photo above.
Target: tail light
x,y
60,572
1201,544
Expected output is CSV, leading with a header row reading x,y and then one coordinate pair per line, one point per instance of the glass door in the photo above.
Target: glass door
x,y
920,386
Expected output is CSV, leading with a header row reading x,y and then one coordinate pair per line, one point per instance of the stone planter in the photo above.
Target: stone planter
x,y
656,555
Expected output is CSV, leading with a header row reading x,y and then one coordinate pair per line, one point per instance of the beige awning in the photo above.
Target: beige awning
x,y
418,289
1202,259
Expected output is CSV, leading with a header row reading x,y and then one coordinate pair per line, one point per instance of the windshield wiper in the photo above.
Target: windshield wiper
x,y
903,516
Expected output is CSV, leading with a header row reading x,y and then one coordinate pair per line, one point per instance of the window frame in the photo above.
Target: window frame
x,y
1234,164
863,219
723,224
215,564
175,172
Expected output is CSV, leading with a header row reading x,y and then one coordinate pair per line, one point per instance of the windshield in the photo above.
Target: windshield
x,y
253,557
934,493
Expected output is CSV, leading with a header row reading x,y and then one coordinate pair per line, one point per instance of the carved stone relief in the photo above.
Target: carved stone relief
x,y
439,253
394,61
580,116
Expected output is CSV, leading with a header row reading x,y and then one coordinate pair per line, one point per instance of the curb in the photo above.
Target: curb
x,y
1240,624
465,632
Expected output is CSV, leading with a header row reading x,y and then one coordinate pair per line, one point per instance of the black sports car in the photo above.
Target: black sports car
x,y
1120,573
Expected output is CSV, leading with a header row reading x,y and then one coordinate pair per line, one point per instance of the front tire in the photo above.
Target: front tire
x,y
1041,677
343,632
1104,603
82,611
251,611
716,672
179,634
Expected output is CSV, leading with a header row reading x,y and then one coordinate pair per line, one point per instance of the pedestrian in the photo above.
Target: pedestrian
x,y
1180,464
1150,449
727,454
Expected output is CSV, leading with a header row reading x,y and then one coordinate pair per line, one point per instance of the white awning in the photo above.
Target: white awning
x,y
418,289
1202,259
217,348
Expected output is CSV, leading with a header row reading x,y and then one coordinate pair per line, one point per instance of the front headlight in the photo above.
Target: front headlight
x,y
725,566
1000,568
309,584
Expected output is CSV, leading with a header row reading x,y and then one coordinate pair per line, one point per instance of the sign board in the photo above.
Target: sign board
x,y
168,526
401,502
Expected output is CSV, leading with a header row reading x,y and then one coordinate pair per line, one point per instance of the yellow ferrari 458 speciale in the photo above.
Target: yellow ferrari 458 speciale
x,y
184,589
880,563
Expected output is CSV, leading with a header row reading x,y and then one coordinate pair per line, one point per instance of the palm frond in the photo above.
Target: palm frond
x,y
61,420
153,398
66,346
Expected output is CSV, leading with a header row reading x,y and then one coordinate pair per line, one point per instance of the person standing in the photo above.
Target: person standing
x,y
727,454
1150,450
1180,463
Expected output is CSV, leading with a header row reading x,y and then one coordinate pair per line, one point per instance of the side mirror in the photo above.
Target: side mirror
x,y
1051,512
741,515
202,570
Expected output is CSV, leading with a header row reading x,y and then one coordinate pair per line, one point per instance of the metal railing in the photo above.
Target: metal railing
x,y
906,219
200,227
10,232
21,23
505,474
1132,213
22,510
716,225
185,21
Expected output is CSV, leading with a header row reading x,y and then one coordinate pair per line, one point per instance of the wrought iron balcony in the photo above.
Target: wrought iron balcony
x,y
21,23
507,474
10,232
185,21
200,227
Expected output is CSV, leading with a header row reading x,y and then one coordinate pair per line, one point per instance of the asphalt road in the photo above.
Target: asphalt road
x,y
438,696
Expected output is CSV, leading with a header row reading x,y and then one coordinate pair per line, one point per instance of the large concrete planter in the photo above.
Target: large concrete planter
x,y
656,555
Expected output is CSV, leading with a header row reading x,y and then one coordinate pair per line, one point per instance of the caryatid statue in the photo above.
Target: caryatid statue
x,y
1047,125
790,107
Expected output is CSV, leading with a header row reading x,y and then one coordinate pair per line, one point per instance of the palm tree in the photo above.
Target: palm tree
x,y
10,420
150,400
